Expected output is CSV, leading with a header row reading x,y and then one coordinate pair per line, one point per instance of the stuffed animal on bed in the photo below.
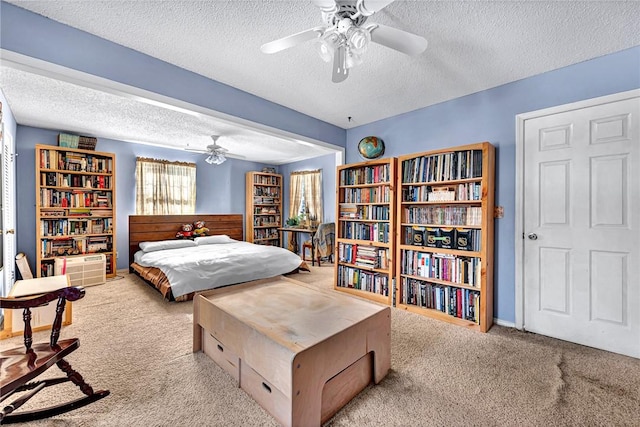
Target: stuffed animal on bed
x,y
200,229
187,231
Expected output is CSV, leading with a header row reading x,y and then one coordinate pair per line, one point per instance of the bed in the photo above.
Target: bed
x,y
178,268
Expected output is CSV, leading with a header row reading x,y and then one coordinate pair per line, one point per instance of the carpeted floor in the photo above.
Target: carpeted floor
x,y
139,347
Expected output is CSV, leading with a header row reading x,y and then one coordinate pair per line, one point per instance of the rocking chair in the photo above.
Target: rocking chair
x,y
20,366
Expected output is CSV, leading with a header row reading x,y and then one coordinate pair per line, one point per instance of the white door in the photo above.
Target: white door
x,y
581,209
8,212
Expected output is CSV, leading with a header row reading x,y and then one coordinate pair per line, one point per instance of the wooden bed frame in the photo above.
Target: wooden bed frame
x,y
152,228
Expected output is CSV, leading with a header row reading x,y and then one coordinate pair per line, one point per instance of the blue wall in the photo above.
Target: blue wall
x,y
220,188
491,116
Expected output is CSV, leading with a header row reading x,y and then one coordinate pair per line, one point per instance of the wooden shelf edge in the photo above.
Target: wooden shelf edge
x,y
371,296
439,315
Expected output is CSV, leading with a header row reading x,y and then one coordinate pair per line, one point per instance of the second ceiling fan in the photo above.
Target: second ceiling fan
x,y
345,35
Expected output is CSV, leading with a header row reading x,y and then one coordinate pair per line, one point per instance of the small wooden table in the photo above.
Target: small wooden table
x,y
294,238
301,353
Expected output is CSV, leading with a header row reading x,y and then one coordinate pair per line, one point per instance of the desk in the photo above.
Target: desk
x,y
294,239
42,317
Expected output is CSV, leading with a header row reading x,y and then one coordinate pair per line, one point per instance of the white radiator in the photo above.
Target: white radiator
x,y
83,270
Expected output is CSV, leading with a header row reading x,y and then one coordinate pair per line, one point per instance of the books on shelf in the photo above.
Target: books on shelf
x,y
365,231
446,240
75,202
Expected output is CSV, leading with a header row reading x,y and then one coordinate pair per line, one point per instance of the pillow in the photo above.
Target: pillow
x,y
165,244
212,240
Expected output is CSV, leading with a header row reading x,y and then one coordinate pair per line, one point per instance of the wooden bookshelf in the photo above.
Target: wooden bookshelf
x,y
263,208
365,228
75,206
444,261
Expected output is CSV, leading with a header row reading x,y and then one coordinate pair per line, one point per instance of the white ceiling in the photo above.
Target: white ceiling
x,y
473,46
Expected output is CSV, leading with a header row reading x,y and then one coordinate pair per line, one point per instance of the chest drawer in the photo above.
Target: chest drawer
x,y
223,356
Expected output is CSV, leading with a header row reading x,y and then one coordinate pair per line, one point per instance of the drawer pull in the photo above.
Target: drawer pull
x,y
220,347
266,387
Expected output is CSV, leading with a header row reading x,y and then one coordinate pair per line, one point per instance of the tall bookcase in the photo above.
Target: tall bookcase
x,y
365,228
445,230
263,208
75,206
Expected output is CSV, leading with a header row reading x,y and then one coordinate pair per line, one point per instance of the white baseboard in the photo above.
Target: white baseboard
x,y
504,323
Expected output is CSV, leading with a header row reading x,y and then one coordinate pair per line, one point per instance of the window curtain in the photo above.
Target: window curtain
x,y
313,194
309,185
295,193
165,188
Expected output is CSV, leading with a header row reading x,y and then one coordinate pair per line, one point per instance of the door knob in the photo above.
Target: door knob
x,y
532,236
11,231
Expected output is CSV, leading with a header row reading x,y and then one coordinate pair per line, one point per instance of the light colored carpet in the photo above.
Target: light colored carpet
x,y
139,347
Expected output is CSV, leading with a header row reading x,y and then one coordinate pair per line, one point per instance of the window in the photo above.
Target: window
x,y
305,194
165,188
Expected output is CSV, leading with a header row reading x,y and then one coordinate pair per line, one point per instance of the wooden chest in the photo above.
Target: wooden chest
x,y
301,353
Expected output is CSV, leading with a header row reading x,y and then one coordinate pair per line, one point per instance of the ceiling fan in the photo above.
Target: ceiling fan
x,y
345,36
217,154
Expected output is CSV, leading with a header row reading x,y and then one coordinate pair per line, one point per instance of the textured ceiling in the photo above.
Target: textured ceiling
x,y
473,45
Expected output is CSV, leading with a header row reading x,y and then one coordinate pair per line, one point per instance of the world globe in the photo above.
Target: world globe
x,y
371,147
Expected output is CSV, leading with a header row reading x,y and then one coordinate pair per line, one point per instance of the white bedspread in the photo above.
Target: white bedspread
x,y
203,267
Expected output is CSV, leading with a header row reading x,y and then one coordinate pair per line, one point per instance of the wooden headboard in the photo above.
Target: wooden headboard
x,y
152,228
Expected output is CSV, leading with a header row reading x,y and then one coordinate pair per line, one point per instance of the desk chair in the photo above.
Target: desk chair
x,y
21,366
324,241
307,246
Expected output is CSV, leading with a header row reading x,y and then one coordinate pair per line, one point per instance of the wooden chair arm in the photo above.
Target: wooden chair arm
x,y
28,302
72,293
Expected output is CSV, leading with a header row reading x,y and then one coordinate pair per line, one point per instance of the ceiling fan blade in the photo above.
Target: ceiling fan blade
x,y
292,40
195,150
400,40
369,7
325,5
340,70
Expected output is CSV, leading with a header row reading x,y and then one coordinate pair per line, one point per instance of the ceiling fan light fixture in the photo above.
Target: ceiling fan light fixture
x,y
327,44
215,159
358,40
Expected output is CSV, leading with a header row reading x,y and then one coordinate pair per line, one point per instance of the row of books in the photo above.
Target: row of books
x,y
443,167
266,180
71,161
455,269
457,302
463,239
364,256
76,198
267,191
57,179
355,278
258,200
376,232
268,220
443,215
47,269
353,211
365,175
109,263
75,246
428,193
266,233
381,194
64,227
